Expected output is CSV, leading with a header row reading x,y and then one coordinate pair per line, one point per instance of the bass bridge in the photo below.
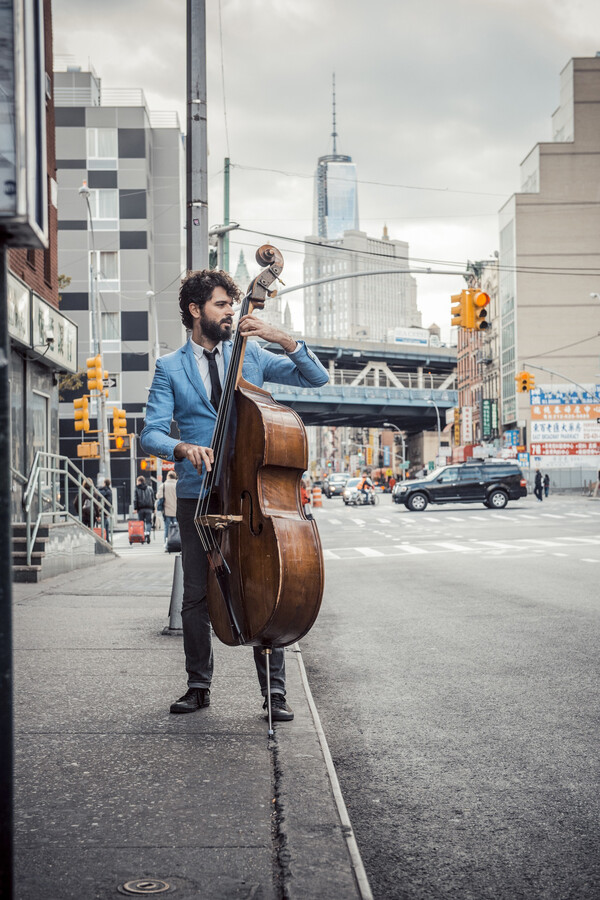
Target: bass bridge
x,y
217,522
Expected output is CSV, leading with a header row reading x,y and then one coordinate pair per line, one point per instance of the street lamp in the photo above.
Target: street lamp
x,y
104,461
439,432
391,425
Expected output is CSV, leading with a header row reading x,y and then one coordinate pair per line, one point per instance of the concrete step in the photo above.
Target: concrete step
x,y
20,559
26,574
19,544
19,529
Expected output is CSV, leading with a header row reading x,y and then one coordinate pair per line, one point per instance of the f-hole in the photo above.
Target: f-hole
x,y
254,530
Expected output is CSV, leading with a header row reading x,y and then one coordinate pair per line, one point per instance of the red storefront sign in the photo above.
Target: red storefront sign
x,y
565,448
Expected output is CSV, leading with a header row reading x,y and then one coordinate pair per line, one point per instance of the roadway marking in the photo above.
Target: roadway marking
x,y
455,519
543,543
450,546
385,521
335,521
550,516
589,560
503,545
329,554
477,519
368,551
359,521
583,540
431,519
560,554
577,515
410,549
523,516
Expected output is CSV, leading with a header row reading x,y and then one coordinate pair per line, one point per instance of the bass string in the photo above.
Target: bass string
x,y
218,442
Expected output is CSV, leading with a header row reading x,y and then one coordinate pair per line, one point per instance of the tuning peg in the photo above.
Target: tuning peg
x,y
272,293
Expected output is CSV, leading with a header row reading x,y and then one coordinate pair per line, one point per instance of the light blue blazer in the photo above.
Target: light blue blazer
x,y
178,393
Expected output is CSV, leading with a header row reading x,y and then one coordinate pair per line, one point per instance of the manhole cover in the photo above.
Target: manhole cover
x,y
145,886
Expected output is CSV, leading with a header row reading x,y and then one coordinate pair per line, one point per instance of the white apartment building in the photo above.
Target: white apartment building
x,y
363,308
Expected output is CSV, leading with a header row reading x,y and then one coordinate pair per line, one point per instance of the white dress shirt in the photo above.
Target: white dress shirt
x,y
202,363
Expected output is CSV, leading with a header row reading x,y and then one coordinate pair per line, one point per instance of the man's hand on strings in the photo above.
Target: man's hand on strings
x,y
197,455
251,326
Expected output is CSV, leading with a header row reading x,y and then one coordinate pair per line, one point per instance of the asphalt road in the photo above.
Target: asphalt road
x,y
455,668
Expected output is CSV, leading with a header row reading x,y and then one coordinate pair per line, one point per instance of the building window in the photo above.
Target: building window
x,y
31,258
106,269
111,326
104,205
102,148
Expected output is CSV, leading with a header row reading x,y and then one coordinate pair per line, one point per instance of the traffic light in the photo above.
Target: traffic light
x,y
478,302
94,373
149,464
459,309
369,456
81,414
525,382
89,450
119,421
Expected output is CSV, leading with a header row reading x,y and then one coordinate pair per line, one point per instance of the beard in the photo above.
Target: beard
x,y
216,331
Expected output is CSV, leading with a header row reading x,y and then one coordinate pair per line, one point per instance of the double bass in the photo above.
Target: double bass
x,y
266,572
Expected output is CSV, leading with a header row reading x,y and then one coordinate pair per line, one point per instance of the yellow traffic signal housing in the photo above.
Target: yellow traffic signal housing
x,y
81,414
121,443
459,310
478,301
95,373
89,450
149,464
525,382
119,421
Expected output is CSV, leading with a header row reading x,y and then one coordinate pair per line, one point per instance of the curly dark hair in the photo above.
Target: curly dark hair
x,y
197,287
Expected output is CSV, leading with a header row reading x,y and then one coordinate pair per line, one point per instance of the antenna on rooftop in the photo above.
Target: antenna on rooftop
x,y
334,133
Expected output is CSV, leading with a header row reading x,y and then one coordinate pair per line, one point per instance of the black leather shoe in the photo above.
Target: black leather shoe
x,y
194,699
280,711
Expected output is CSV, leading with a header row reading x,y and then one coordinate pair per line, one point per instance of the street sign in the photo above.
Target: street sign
x,y
167,465
109,382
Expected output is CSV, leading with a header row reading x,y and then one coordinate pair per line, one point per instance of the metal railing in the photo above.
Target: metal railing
x,y
45,500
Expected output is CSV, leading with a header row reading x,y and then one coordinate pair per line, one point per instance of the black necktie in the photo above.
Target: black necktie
x,y
215,384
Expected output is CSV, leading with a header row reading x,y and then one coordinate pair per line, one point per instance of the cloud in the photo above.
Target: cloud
x,y
430,93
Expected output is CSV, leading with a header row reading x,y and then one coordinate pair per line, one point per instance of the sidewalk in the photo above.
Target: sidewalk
x,y
111,788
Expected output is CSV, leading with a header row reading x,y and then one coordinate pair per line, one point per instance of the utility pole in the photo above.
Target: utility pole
x,y
103,441
225,262
221,232
196,145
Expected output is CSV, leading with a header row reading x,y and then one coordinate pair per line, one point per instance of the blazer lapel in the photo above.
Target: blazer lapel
x,y
191,370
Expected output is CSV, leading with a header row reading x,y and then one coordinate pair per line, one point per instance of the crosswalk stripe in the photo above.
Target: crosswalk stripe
x,y
450,546
409,548
589,560
455,519
535,541
385,521
368,551
550,516
503,545
335,521
329,554
578,515
359,521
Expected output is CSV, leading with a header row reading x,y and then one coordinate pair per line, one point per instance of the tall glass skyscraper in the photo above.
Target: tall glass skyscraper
x,y
336,196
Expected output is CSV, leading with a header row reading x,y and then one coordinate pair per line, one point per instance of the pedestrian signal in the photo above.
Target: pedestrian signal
x,y
81,414
478,301
149,464
95,373
89,450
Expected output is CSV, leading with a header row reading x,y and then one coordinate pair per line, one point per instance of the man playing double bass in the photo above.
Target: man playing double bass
x,y
186,388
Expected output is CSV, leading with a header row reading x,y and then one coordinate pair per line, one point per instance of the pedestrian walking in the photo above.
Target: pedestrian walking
x,y
143,501
546,484
537,490
187,386
167,492
107,493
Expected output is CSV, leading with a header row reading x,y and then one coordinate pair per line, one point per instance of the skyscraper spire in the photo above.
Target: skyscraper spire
x,y
334,133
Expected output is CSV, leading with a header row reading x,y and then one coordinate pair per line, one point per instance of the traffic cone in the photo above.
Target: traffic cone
x,y
317,499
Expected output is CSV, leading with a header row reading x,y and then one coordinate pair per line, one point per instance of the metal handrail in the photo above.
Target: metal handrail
x,y
43,484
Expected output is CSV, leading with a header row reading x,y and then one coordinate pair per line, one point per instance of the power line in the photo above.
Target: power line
x,y
406,187
223,79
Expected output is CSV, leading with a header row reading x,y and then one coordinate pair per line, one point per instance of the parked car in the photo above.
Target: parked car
x,y
334,484
477,481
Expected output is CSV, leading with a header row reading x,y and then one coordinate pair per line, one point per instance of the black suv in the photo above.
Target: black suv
x,y
334,484
480,481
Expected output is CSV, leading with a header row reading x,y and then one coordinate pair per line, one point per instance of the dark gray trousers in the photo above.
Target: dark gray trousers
x,y
197,636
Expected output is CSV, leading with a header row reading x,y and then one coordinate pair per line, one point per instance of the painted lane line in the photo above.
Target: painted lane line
x,y
455,519
385,521
368,551
577,515
550,516
335,521
560,554
503,545
535,541
359,521
590,560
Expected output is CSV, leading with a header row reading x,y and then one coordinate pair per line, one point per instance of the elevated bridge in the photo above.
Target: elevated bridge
x,y
372,382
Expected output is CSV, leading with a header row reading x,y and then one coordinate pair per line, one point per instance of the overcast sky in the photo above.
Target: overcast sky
x,y
438,102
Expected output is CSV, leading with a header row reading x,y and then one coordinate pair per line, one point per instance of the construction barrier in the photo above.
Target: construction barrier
x,y
317,499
